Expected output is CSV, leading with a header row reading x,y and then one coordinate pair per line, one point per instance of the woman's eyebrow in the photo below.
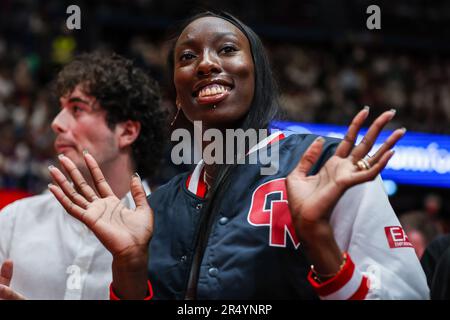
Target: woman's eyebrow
x,y
217,36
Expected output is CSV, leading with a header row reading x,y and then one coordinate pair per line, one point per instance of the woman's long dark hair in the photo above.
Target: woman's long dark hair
x,y
263,109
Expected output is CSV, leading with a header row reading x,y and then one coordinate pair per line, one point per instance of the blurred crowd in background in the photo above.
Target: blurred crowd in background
x,y
326,64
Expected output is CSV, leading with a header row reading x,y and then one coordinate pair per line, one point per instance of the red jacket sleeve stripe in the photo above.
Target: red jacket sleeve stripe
x,y
362,291
347,284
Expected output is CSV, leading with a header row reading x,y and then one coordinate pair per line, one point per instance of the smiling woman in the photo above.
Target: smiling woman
x,y
228,232
204,61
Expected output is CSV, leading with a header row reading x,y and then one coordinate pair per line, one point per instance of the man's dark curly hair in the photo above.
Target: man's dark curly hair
x,y
125,92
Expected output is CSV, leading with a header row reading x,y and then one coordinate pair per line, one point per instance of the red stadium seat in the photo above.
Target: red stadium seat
x,y
8,196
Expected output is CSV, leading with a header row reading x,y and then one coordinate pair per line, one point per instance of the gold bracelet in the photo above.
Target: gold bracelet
x,y
320,277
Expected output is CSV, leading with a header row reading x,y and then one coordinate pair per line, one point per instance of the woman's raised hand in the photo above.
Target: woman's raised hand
x,y
121,230
312,198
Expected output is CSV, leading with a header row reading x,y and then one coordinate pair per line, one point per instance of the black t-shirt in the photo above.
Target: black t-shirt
x,y
436,264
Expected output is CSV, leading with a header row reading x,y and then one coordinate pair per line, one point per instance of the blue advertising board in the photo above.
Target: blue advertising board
x,y
419,159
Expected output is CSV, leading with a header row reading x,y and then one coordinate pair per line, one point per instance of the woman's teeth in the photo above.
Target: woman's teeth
x,y
212,90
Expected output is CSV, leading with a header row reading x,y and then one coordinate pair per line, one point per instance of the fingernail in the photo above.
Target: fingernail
x,y
61,155
50,167
366,108
136,175
404,129
393,112
50,184
85,151
320,139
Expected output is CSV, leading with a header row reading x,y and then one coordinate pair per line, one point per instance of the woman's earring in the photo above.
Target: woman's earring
x,y
175,118
214,106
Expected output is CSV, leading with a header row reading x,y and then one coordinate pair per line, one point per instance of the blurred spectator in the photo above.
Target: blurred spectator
x,y
436,264
419,229
435,210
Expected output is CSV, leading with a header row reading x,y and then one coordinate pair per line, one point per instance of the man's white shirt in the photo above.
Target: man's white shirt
x,y
55,256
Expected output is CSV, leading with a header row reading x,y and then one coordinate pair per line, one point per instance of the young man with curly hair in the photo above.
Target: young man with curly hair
x,y
111,109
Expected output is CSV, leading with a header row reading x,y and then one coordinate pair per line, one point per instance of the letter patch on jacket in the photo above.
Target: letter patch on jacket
x,y
269,207
397,237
